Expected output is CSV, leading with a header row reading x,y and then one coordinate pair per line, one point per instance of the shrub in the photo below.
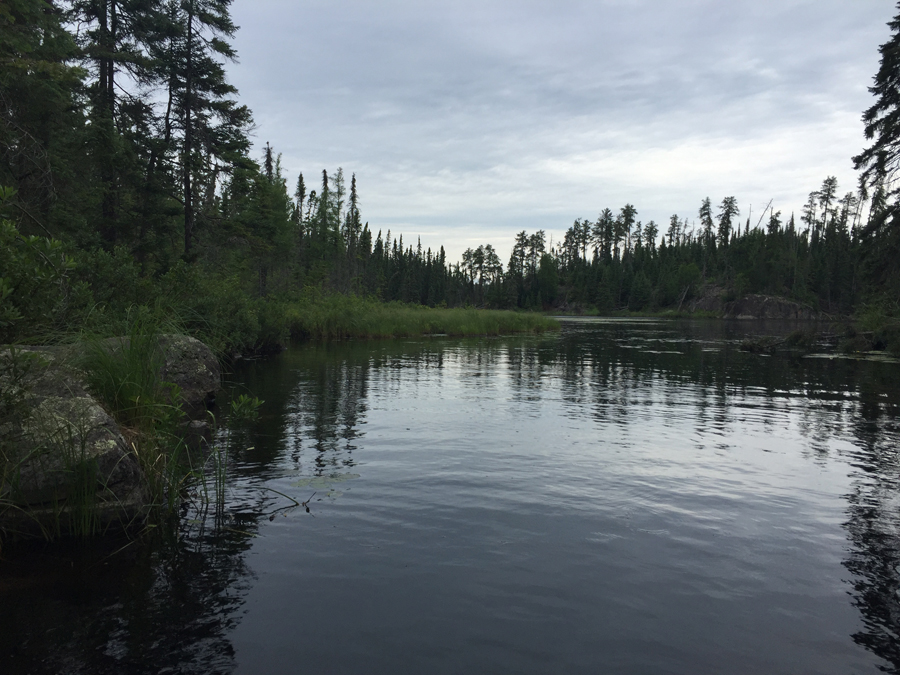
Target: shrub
x,y
34,284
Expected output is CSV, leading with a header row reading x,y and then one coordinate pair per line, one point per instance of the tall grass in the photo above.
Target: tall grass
x,y
335,316
126,374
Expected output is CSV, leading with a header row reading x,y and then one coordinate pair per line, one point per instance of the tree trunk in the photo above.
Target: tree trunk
x,y
188,137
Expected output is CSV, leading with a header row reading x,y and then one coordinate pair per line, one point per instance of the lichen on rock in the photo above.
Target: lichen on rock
x,y
61,450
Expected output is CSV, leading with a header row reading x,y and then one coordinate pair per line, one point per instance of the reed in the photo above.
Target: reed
x,y
125,373
321,316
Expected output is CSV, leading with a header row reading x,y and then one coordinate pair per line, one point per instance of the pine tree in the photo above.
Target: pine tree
x,y
118,36
40,127
674,231
651,231
706,222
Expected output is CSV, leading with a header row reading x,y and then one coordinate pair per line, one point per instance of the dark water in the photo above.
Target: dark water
x,y
624,497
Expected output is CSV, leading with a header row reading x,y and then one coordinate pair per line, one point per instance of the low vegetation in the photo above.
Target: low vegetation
x,y
336,316
64,468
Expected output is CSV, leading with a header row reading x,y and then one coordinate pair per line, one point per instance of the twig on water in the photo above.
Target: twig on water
x,y
284,495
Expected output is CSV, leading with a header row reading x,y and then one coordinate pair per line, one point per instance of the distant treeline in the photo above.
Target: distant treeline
x,y
619,262
126,179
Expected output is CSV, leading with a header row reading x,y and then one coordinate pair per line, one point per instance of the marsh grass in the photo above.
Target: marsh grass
x,y
335,316
125,373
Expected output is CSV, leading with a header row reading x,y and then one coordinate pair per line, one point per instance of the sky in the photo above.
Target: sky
x,y
466,122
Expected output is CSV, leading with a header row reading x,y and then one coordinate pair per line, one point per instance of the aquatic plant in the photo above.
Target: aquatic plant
x,y
244,409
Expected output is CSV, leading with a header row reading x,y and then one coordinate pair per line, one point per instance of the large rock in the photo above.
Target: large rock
x,y
62,454
768,307
192,366
61,451
754,306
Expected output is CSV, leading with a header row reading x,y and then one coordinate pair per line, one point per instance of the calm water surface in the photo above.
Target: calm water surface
x,y
622,497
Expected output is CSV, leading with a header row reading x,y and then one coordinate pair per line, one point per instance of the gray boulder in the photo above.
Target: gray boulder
x,y
61,452
192,366
62,457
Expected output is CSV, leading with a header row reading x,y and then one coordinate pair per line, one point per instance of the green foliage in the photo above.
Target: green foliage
x,y
548,279
878,164
689,278
801,339
244,409
332,316
881,318
639,298
126,373
34,284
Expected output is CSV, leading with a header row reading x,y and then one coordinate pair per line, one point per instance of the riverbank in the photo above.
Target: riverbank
x,y
333,316
874,327
95,436
97,432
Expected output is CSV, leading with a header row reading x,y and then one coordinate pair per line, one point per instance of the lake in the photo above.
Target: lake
x,y
620,497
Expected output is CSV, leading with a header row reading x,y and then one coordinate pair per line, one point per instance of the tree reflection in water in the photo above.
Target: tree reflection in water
x,y
164,603
874,524
168,602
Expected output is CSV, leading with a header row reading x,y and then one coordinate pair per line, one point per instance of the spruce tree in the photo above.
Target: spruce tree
x,y
117,37
728,209
212,125
879,164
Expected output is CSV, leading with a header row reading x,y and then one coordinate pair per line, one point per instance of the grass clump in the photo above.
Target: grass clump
x,y
126,374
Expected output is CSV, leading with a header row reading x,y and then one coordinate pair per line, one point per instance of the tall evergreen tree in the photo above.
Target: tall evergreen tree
x,y
212,124
41,129
879,164
728,209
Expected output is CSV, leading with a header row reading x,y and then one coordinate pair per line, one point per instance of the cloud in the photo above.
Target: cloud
x,y
466,122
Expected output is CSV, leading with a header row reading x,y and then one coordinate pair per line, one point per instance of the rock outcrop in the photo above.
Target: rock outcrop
x,y
192,366
754,306
710,299
61,450
768,307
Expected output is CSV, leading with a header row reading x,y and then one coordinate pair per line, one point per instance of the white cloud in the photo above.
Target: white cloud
x,y
466,122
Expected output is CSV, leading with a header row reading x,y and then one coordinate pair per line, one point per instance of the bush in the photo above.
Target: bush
x,y
34,284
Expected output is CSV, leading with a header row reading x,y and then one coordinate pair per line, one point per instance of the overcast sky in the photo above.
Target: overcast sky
x,y
469,121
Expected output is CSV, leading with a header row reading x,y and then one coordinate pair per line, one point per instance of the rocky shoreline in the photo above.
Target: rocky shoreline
x,y
63,451
755,306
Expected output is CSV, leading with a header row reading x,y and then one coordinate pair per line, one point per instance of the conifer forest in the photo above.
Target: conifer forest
x,y
128,180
